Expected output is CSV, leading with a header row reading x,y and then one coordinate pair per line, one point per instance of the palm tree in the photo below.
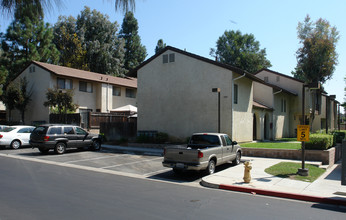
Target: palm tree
x,y
10,5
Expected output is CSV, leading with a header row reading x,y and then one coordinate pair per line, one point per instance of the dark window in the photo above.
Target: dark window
x,y
130,93
85,86
283,105
116,91
235,94
165,58
25,130
55,130
228,140
205,139
41,130
64,83
171,57
80,131
68,130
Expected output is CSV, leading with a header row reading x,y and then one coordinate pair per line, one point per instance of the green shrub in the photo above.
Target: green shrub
x,y
339,135
319,142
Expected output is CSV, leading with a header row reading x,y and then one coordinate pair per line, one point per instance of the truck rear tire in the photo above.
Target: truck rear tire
x,y
211,167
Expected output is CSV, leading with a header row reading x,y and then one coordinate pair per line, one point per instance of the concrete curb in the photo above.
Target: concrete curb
x,y
275,193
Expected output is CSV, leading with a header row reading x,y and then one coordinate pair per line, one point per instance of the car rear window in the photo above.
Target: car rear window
x,y
8,129
55,130
40,130
205,139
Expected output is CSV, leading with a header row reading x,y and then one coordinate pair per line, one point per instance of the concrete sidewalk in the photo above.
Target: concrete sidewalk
x,y
326,189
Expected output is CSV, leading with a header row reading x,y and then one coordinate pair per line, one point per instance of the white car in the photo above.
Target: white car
x,y
16,136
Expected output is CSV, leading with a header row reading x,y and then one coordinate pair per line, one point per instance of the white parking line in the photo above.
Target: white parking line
x,y
118,165
156,172
96,158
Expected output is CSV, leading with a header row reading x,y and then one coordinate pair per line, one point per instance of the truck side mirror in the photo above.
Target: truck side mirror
x,y
234,143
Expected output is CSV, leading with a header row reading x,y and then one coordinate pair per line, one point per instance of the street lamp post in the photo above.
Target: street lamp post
x,y
218,90
304,171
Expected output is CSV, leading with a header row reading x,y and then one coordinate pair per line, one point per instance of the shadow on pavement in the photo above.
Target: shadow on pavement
x,y
186,176
329,207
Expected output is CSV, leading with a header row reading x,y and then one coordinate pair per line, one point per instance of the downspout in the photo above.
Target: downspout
x,y
232,101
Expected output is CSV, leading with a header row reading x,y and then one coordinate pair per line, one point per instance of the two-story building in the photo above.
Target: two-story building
x,y
92,91
175,96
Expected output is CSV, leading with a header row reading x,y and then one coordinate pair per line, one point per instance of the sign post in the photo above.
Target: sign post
x,y
303,134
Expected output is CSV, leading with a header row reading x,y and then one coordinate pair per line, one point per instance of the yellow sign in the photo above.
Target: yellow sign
x,y
303,132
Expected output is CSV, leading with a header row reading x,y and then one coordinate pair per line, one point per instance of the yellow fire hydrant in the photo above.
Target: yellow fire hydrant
x,y
247,176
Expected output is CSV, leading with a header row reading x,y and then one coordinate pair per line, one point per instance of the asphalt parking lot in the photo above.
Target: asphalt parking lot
x,y
126,162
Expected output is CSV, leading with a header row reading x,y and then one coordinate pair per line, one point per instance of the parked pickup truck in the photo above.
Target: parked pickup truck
x,y
204,151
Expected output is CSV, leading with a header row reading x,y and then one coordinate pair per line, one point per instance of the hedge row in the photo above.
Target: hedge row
x,y
319,142
339,135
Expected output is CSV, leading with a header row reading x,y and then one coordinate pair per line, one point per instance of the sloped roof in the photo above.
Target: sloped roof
x,y
260,105
86,75
279,74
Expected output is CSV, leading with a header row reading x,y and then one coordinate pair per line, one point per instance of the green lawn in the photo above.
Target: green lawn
x,y
273,145
289,170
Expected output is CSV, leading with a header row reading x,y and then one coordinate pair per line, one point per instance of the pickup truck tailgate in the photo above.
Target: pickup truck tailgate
x,y
181,155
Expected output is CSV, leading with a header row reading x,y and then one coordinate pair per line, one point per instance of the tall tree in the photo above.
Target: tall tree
x,y
26,39
317,57
69,44
24,97
104,51
125,5
10,98
159,46
3,70
242,51
135,52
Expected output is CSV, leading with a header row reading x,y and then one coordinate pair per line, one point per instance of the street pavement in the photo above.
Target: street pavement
x,y
326,189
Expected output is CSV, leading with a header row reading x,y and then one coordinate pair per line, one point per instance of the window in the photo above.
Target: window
x,y
165,58
277,78
228,140
266,79
80,131
283,105
130,93
64,83
32,69
68,130
55,130
85,86
235,96
171,57
25,130
116,91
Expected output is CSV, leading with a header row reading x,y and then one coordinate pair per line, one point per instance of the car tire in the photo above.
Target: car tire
x,y
237,158
15,144
60,148
96,145
211,167
43,150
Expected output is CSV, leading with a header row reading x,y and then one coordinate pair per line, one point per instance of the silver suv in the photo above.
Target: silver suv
x,y
60,137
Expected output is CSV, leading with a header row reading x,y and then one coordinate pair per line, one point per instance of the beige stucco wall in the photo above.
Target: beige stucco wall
x,y
177,98
2,106
242,112
281,119
122,100
39,81
263,94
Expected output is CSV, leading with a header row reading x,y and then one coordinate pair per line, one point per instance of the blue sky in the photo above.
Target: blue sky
x,y
195,25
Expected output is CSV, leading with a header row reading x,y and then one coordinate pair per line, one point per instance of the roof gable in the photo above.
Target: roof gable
x,y
86,75
279,74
